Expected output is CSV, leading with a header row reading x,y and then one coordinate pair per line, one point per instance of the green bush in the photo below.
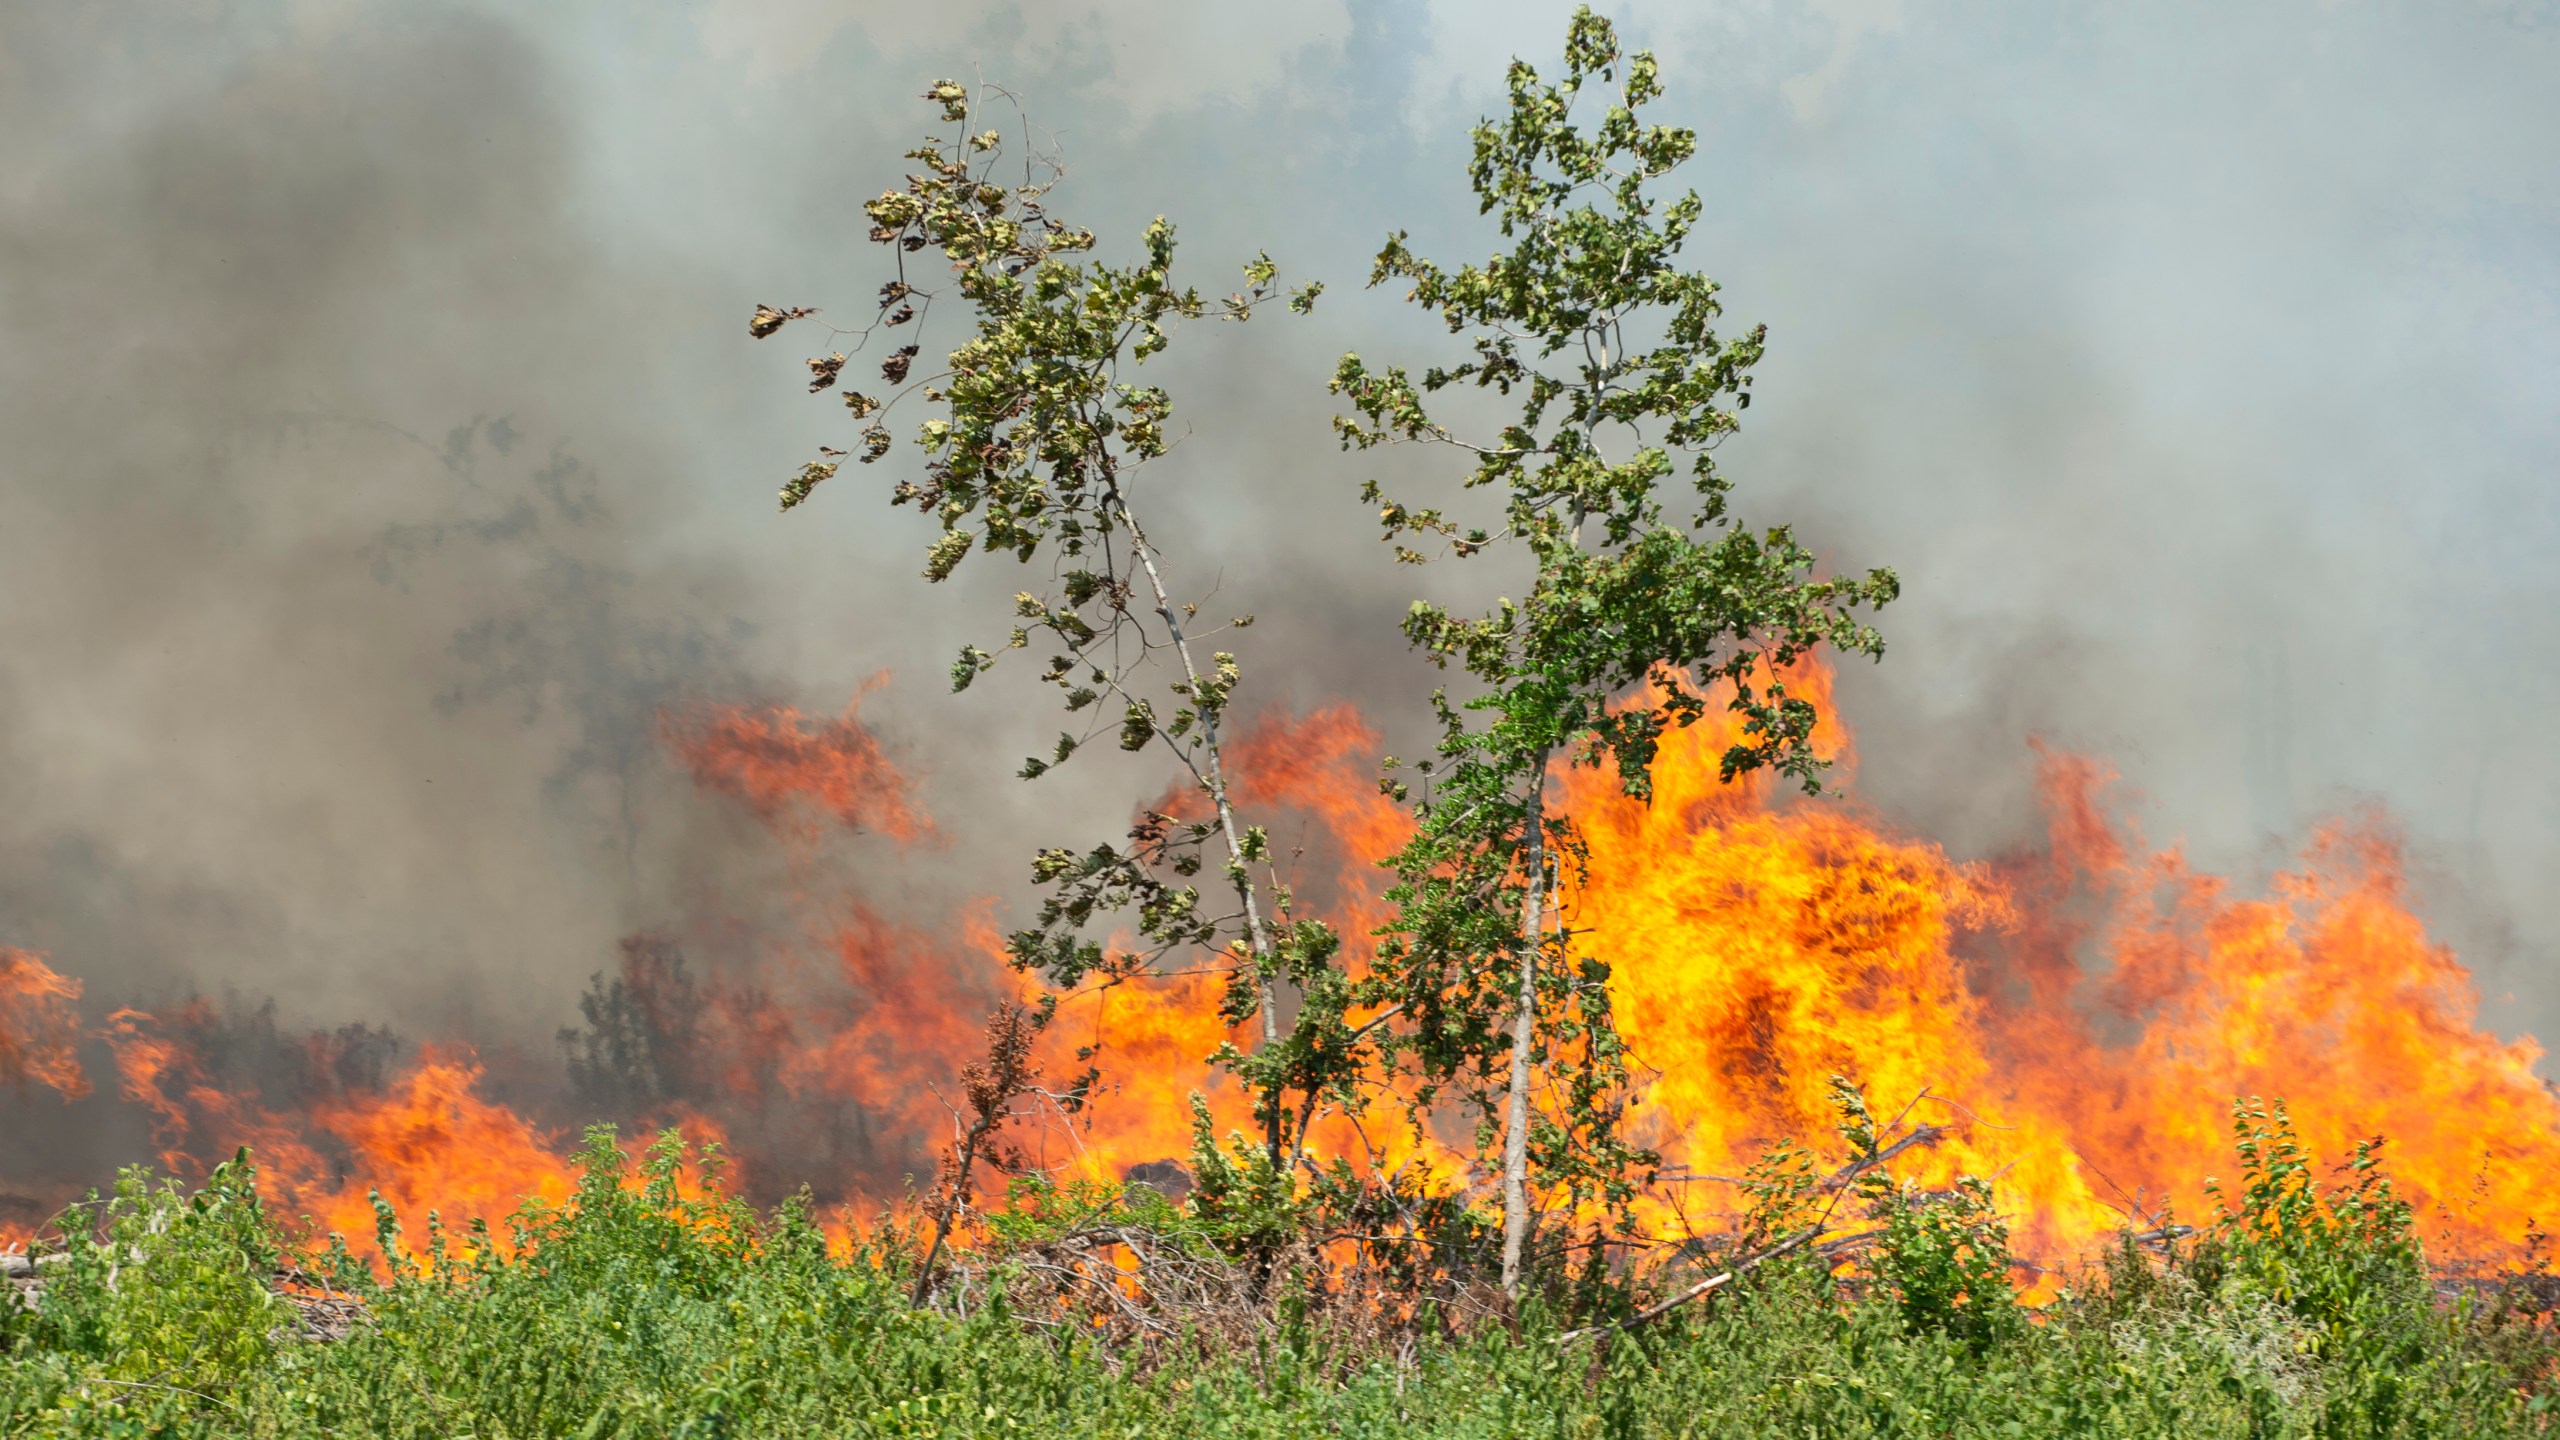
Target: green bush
x,y
160,1290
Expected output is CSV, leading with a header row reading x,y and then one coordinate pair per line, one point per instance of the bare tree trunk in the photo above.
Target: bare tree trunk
x,y
1524,1019
946,1212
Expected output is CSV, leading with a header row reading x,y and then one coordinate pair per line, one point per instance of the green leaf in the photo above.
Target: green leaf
x,y
1137,726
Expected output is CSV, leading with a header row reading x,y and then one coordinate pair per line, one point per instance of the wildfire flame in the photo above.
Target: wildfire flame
x,y
39,1025
1762,944
2080,1017
429,1144
782,770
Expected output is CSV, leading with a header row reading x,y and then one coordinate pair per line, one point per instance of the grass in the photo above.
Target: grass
x,y
646,1308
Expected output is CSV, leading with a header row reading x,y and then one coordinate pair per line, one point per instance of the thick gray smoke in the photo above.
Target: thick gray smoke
x,y
381,450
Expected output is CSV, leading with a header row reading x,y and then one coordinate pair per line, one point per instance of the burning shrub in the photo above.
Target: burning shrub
x,y
2343,1258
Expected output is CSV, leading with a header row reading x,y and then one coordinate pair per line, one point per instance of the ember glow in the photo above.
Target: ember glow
x,y
2080,1017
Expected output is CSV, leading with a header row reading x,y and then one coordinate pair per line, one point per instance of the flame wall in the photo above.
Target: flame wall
x,y
2080,1016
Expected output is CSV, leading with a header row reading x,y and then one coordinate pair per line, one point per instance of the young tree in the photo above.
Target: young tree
x,y
988,1089
1609,349
1036,436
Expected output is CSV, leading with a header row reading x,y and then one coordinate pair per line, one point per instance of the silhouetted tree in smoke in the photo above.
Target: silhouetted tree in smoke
x,y
242,1049
637,1048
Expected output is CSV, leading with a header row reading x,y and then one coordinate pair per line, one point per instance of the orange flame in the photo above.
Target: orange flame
x,y
2326,992
39,1025
1757,948
781,768
430,1143
163,1074
427,1142
1323,765
1760,945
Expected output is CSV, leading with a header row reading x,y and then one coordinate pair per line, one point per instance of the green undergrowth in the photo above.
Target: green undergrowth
x,y
2303,1308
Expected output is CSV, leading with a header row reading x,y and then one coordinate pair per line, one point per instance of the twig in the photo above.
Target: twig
x,y
1924,1135
1960,1105
172,1389
1707,1286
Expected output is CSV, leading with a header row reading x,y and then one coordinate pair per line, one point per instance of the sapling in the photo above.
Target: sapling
x,y
1037,435
1631,613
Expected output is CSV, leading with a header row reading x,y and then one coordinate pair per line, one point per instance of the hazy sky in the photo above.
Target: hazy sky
x,y
381,445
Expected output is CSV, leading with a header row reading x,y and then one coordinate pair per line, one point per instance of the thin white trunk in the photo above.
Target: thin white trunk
x,y
1214,780
1524,1020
